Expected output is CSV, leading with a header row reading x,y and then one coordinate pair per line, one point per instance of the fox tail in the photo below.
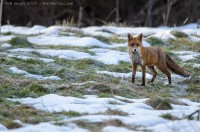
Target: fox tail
x,y
175,67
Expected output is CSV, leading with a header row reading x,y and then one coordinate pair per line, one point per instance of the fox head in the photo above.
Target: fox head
x,y
134,42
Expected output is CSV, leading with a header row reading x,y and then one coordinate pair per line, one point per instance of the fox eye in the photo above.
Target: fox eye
x,y
131,45
137,44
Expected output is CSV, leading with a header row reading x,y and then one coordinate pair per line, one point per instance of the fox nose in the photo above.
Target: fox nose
x,y
134,49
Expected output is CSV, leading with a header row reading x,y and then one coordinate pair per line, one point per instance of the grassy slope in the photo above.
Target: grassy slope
x,y
73,71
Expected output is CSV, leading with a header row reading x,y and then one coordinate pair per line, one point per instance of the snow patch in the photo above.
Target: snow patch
x,y
106,57
45,60
112,57
72,41
67,41
2,127
6,45
50,128
187,55
139,113
18,71
56,53
92,104
38,77
117,74
164,35
116,129
6,38
177,126
133,120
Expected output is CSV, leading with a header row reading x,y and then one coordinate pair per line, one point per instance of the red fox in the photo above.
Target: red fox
x,y
150,57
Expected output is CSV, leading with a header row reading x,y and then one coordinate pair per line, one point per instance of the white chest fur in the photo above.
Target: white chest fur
x,y
136,58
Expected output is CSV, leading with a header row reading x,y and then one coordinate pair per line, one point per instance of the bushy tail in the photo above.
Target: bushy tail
x,y
175,67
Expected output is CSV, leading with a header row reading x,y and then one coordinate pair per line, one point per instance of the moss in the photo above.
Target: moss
x,y
38,89
102,95
102,88
7,33
159,103
179,34
69,113
10,124
88,63
169,116
34,90
115,112
20,42
154,41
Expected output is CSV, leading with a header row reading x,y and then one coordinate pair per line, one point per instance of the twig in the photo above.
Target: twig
x,y
1,8
110,14
198,116
117,12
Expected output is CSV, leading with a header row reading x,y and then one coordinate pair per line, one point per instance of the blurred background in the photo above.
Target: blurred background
x,y
101,12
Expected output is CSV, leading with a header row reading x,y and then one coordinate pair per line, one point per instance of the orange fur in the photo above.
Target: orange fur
x,y
153,56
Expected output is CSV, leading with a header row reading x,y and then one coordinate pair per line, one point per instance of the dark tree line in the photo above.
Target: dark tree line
x,y
99,12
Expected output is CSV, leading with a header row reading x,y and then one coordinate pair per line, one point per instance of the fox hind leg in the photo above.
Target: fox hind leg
x,y
164,70
152,69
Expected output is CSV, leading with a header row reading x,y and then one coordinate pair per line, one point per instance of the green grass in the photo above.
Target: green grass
x,y
168,116
159,103
69,113
84,70
28,90
88,63
154,41
123,67
29,61
20,42
38,89
179,34
7,33
183,44
10,111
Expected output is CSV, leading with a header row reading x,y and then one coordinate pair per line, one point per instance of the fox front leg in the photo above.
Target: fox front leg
x,y
143,75
134,68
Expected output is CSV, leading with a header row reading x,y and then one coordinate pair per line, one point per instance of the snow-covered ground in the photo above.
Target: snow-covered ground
x,y
38,77
140,116
51,128
139,113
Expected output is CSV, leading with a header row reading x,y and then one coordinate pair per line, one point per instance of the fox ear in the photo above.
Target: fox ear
x,y
129,36
140,37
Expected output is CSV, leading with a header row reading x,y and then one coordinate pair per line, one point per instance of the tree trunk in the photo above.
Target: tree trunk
x,y
149,13
117,12
1,9
166,16
80,14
